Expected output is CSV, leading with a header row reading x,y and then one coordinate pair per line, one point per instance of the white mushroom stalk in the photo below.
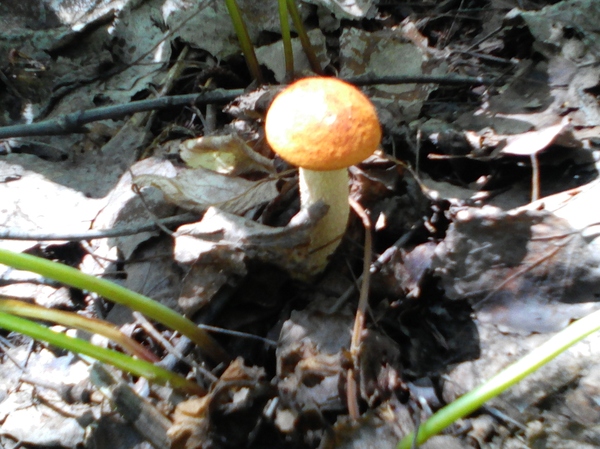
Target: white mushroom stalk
x,y
330,187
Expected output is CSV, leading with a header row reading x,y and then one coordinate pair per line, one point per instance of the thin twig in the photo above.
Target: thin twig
x,y
154,218
378,264
158,337
172,76
535,177
446,80
73,122
359,321
363,300
118,231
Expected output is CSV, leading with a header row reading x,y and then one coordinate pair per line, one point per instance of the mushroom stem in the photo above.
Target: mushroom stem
x,y
331,187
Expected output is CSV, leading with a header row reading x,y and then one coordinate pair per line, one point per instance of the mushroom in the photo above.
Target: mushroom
x,y
323,126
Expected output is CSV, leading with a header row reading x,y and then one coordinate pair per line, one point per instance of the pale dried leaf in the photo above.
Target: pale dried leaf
x,y
285,246
198,189
346,9
457,195
206,24
386,53
533,142
581,15
189,429
23,412
272,55
228,155
33,202
35,426
124,207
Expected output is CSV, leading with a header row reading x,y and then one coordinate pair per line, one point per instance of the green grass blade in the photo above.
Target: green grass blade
x,y
505,379
306,45
116,293
244,39
114,358
92,325
286,37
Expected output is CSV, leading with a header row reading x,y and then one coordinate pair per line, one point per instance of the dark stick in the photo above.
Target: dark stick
x,y
445,80
119,231
74,121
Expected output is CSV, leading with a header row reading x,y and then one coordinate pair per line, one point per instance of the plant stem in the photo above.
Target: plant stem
x,y
116,293
286,38
474,399
306,45
244,39
114,358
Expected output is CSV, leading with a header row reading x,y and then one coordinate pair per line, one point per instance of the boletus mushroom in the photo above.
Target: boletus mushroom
x,y
323,126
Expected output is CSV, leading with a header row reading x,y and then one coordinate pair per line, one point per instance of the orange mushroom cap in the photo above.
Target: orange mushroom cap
x,y
322,124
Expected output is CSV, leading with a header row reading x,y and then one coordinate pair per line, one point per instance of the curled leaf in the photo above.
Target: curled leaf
x,y
199,189
228,154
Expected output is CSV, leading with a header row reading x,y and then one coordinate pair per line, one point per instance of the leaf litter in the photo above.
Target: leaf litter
x,y
474,272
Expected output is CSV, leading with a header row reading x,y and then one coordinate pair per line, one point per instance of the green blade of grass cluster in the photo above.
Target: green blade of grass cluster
x,y
306,45
114,358
92,325
244,39
116,293
505,379
286,38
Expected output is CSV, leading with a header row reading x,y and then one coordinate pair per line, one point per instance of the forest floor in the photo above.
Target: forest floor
x,y
482,206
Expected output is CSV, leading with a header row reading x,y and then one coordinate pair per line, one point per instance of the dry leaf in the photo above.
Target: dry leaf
x,y
228,155
235,402
346,9
199,189
189,429
527,271
272,55
533,142
284,246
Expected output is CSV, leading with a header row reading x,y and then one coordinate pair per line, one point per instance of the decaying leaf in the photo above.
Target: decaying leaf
x,y
582,15
346,9
207,25
189,429
124,207
310,357
198,189
405,271
233,407
228,155
284,246
212,267
527,271
379,428
573,206
387,53
272,55
34,412
532,142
